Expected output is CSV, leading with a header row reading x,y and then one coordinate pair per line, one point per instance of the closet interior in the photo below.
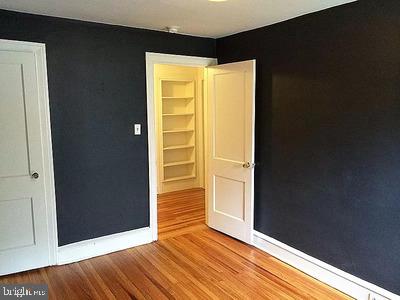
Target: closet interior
x,y
180,140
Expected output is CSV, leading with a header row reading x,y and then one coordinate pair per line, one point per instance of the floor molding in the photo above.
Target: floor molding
x,y
345,282
103,245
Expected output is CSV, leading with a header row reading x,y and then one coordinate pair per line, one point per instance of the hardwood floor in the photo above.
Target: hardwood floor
x,y
190,261
180,213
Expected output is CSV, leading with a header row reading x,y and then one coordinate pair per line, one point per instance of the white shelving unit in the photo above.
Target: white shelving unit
x,y
178,111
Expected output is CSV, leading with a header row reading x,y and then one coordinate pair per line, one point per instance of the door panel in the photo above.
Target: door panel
x,y
229,194
21,235
231,93
24,241
228,114
13,143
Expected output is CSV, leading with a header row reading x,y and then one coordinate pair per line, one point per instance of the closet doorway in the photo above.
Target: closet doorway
x,y
179,125
179,102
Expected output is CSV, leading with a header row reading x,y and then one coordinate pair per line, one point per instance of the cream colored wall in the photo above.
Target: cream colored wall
x,y
180,73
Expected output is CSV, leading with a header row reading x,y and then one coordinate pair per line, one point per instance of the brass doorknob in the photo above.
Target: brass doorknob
x,y
248,165
35,175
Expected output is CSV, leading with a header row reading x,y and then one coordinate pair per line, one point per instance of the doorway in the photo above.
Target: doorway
x,y
201,135
179,104
153,59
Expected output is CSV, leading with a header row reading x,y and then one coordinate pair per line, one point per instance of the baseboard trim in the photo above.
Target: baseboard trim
x,y
103,245
338,279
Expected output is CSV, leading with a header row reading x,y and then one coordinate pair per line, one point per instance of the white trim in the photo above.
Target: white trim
x,y
103,245
345,282
151,60
39,51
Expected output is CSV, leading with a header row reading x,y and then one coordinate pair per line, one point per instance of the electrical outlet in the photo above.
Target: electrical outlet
x,y
137,129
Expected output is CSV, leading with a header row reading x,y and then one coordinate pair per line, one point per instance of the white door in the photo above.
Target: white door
x,y
24,242
231,95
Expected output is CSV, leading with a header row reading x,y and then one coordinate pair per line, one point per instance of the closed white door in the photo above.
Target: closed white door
x,y
24,242
231,95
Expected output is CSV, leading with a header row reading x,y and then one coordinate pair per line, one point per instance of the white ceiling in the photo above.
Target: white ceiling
x,y
194,17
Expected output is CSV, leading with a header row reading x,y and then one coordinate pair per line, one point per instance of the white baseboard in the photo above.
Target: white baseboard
x,y
103,245
340,280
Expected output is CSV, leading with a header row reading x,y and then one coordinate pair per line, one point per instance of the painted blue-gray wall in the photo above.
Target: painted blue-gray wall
x,y
327,180
97,90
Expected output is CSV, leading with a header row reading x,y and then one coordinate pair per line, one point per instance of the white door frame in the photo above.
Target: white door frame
x,y
39,51
151,60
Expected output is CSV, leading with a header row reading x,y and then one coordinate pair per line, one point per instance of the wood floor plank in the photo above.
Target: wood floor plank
x,y
96,281
190,261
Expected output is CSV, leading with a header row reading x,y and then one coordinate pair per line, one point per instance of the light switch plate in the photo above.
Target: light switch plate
x,y
137,129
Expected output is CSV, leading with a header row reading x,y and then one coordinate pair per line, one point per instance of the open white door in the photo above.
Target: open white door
x,y
231,96
24,236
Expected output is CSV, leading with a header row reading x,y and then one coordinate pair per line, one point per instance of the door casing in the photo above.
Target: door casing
x,y
39,51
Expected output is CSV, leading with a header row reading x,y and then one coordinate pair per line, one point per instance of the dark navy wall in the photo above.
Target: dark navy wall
x,y
96,76
328,135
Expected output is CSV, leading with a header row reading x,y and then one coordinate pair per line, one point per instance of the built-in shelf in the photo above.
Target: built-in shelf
x,y
178,114
179,178
178,130
182,98
185,81
179,163
179,147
